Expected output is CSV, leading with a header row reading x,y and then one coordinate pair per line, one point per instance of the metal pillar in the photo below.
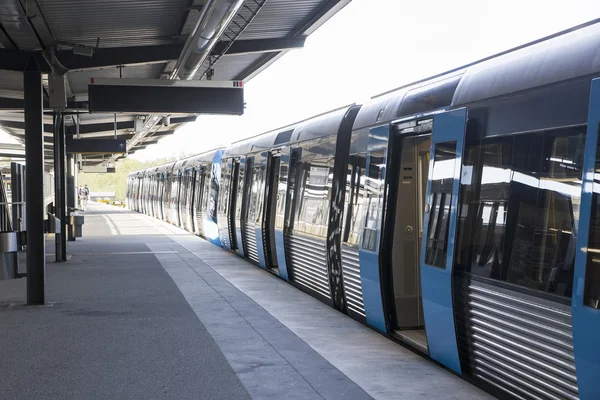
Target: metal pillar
x,y
70,190
59,188
64,214
34,183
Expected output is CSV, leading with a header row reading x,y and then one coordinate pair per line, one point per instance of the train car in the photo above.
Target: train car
x,y
163,189
149,191
137,186
245,226
308,216
458,214
477,240
204,174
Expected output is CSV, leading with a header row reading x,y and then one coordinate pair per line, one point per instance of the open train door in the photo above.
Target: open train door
x,y
437,249
586,279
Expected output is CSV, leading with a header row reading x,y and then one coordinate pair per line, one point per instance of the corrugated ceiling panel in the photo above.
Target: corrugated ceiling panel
x,y
116,22
14,21
231,66
279,18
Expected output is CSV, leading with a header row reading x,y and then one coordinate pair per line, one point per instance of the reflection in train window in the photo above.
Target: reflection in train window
x,y
592,272
519,206
373,199
354,202
439,201
314,190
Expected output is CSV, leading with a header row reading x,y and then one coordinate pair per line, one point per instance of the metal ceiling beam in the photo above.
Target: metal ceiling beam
x,y
259,46
49,128
110,57
15,60
18,104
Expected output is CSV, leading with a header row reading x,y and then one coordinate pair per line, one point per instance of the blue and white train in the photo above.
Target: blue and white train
x,y
459,215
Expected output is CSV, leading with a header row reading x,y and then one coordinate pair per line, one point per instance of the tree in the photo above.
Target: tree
x,y
117,181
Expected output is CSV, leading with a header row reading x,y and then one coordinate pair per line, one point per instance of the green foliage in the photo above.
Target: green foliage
x,y
117,182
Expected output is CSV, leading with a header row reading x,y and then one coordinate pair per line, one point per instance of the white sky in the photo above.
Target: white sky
x,y
372,46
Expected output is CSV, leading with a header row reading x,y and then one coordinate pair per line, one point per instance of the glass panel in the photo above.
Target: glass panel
x,y
528,186
260,193
373,199
213,195
281,194
592,272
444,162
313,201
240,195
354,201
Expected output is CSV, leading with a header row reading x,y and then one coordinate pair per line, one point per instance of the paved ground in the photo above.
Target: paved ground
x,y
147,311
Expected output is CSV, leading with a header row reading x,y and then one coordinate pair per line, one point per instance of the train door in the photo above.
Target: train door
x,y
270,212
240,203
198,219
408,173
189,199
586,291
235,174
439,229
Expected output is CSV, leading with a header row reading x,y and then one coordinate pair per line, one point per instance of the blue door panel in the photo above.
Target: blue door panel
x,y
586,320
371,287
436,283
370,277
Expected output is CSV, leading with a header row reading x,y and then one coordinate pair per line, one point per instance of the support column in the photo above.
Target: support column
x,y
70,190
59,187
34,184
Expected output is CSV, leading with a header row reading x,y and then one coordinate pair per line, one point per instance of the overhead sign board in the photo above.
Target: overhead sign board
x,y
96,146
165,96
97,169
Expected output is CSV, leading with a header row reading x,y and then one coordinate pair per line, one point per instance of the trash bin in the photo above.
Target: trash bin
x,y
9,262
76,225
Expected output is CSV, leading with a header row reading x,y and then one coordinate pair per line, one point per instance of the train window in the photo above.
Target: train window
x,y
592,273
291,188
439,203
373,199
312,211
260,193
241,189
214,188
281,194
354,208
519,207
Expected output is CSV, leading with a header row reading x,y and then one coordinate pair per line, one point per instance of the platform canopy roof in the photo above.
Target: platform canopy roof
x,y
139,39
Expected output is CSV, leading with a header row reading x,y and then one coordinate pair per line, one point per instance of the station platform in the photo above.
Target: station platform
x,y
144,310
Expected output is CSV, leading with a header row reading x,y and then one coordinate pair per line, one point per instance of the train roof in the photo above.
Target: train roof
x,y
264,141
563,56
165,167
151,170
325,124
203,157
321,126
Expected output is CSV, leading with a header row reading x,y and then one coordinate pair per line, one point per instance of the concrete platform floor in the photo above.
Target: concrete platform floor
x,y
144,310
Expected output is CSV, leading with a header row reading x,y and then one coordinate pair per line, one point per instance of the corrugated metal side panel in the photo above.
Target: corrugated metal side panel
x,y
352,284
520,344
200,222
118,23
308,263
250,237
